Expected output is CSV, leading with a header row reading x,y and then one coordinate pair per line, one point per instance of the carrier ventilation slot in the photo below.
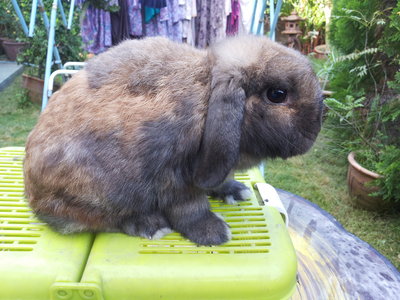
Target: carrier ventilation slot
x,y
19,231
248,227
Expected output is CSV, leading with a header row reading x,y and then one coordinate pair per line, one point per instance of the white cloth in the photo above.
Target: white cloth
x,y
188,30
246,15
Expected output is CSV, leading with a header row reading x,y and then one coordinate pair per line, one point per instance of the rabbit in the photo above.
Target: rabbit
x,y
137,140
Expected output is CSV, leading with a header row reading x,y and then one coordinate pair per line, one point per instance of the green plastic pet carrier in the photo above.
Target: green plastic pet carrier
x,y
38,263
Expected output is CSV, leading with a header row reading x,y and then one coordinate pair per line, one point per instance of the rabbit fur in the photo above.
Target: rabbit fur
x,y
136,140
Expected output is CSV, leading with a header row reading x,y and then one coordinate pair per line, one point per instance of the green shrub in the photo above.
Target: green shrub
x,y
364,116
68,42
346,34
390,44
389,167
101,4
390,41
9,23
373,132
370,28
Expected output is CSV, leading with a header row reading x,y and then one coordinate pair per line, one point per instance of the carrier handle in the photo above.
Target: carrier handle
x,y
271,198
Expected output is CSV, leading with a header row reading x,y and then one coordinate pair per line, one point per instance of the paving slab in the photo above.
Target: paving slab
x,y
8,71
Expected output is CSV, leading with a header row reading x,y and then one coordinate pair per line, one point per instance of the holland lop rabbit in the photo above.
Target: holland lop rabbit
x,y
136,141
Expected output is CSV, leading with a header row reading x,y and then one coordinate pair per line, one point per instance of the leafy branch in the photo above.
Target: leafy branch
x,y
347,113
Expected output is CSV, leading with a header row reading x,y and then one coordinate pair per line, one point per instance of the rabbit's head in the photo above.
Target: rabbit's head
x,y
265,102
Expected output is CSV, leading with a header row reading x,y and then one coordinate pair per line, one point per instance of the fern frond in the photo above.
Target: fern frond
x,y
358,54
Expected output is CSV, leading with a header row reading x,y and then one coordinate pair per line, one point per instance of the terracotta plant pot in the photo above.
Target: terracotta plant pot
x,y
12,48
357,178
34,86
2,39
321,51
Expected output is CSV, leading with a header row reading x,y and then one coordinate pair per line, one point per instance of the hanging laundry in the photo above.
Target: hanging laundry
x,y
175,21
120,26
150,13
168,22
232,27
252,16
152,8
210,21
154,3
96,27
158,25
247,11
228,11
196,22
135,18
188,23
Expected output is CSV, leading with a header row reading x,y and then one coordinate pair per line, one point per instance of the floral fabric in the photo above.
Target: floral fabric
x,y
179,20
169,22
210,22
135,17
96,29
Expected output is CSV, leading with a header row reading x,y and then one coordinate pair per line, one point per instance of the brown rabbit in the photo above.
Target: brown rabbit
x,y
137,140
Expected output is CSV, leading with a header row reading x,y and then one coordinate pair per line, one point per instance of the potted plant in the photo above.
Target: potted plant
x,y
10,31
68,43
34,58
364,117
5,22
358,180
367,130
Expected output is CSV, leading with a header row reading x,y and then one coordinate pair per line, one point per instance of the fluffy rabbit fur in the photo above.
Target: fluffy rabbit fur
x,y
136,141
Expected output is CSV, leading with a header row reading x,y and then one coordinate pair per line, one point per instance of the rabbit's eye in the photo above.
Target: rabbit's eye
x,y
276,95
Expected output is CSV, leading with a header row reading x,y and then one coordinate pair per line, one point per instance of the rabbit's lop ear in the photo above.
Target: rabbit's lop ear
x,y
219,150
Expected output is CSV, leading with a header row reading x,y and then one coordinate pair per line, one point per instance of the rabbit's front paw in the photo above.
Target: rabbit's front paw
x,y
210,230
231,191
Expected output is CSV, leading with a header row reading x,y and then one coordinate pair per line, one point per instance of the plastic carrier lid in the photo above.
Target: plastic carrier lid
x,y
37,263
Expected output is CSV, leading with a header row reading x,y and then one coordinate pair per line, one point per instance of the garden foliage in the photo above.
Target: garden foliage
x,y
68,42
9,26
364,114
315,15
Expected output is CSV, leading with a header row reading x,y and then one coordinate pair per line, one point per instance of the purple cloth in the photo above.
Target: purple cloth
x,y
209,22
177,14
96,30
168,22
158,26
135,17
232,27
96,27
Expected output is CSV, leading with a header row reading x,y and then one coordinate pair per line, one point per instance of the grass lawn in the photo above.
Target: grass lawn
x,y
319,176
17,116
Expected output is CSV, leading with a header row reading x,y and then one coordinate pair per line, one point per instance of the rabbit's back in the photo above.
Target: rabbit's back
x,y
105,147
